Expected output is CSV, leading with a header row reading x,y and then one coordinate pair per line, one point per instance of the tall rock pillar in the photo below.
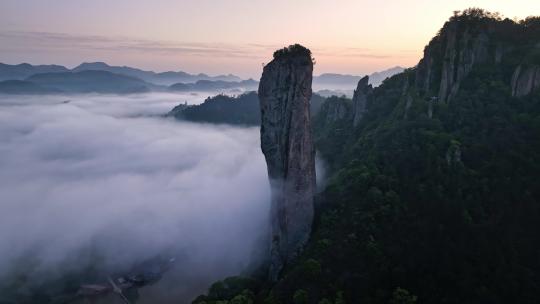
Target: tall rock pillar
x,y
360,97
286,142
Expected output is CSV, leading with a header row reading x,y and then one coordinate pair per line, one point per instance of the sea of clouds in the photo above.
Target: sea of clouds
x,y
112,174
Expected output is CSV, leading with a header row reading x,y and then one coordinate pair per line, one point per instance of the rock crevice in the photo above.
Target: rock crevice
x,y
525,80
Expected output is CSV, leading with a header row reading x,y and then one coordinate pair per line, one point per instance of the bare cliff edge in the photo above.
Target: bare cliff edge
x,y
473,39
286,142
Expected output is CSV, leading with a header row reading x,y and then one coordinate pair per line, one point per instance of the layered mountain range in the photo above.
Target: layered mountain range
x,y
24,70
99,77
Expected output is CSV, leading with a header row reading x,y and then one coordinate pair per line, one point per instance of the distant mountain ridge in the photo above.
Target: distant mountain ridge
x,y
164,78
90,81
208,85
99,77
333,81
24,70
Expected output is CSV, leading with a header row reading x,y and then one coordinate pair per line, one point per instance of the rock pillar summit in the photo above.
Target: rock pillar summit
x,y
286,142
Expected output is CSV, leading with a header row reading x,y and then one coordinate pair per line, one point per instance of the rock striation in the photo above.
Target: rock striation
x,y
525,80
286,142
360,97
459,47
476,40
335,109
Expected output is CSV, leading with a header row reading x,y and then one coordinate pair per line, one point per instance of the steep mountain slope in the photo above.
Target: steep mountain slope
x,y
433,197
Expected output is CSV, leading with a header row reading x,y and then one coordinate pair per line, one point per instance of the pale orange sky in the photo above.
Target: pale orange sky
x,y
229,36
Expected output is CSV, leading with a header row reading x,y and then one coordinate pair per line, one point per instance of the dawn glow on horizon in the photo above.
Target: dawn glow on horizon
x,y
235,36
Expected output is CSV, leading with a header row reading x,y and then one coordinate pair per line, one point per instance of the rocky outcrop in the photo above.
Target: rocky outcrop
x,y
453,154
286,142
335,114
424,73
335,109
408,104
405,95
451,56
525,80
360,97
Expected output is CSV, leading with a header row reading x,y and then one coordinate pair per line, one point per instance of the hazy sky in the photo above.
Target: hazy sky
x,y
229,36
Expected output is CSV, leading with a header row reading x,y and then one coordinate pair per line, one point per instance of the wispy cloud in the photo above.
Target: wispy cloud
x,y
47,41
43,41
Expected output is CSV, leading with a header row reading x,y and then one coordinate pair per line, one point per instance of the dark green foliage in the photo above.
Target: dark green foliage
x,y
235,110
402,296
445,208
475,14
331,133
300,297
237,290
292,51
213,85
241,110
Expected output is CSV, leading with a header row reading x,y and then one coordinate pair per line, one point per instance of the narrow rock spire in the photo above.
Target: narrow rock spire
x,y
360,97
286,142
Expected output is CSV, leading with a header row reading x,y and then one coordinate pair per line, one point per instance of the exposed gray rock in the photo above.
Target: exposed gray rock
x,y
408,104
286,141
499,51
424,71
405,94
432,102
461,54
453,155
336,110
461,49
525,80
361,94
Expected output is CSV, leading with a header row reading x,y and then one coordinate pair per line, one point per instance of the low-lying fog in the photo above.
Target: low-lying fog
x,y
108,173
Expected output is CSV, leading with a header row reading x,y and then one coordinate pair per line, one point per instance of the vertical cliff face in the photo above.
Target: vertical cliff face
x,y
286,142
360,97
475,40
335,110
469,49
525,80
451,56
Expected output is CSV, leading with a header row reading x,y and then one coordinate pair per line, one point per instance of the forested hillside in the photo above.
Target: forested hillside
x,y
434,196
243,109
